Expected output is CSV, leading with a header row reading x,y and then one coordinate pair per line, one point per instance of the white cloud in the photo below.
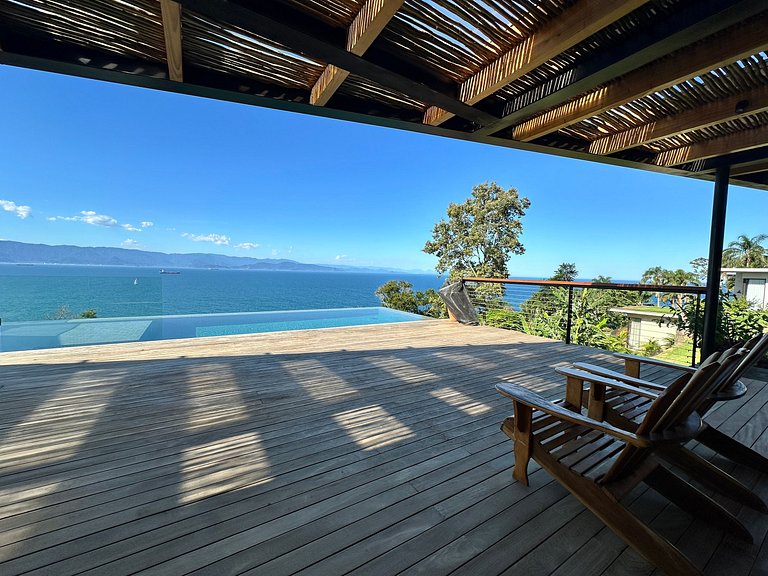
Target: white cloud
x,y
219,239
128,242
20,211
341,257
147,224
95,219
275,252
247,246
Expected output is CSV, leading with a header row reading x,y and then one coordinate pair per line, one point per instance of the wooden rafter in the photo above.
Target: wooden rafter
x,y
751,169
578,23
312,44
367,25
688,63
682,27
737,142
172,31
730,108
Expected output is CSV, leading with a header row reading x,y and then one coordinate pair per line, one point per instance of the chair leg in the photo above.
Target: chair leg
x,y
656,549
695,502
521,449
710,475
732,449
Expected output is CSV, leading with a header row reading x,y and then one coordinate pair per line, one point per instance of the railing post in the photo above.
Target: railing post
x,y
719,203
569,320
695,329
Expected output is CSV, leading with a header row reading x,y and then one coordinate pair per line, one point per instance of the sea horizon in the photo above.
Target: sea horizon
x,y
53,291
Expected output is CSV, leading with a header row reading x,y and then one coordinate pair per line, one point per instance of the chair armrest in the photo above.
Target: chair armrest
x,y
654,361
613,375
586,376
533,400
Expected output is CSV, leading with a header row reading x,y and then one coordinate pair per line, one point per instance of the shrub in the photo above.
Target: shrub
x,y
737,319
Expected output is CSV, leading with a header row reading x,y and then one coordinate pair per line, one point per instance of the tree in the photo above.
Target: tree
x,y
479,235
566,272
700,266
746,252
399,295
655,276
662,276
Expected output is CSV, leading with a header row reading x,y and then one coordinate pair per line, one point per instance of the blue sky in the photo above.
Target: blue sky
x,y
98,164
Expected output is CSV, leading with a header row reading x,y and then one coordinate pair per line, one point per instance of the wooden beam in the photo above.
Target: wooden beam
x,y
578,23
754,168
367,25
749,38
172,31
687,23
256,19
737,142
730,108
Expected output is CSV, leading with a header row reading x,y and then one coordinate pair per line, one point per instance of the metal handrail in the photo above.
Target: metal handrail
x,y
570,285
667,288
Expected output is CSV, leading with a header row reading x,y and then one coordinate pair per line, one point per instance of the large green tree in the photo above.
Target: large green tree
x,y
746,252
480,234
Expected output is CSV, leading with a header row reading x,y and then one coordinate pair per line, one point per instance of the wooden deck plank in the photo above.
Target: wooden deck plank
x,y
368,450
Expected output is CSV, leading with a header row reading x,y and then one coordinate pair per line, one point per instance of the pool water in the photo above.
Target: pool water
x,y
16,336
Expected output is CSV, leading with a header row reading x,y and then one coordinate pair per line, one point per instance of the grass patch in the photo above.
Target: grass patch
x,y
679,353
659,309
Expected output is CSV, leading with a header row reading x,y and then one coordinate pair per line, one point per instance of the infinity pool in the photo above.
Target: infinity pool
x,y
58,333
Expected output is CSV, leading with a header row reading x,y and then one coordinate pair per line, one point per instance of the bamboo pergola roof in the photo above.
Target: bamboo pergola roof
x,y
678,86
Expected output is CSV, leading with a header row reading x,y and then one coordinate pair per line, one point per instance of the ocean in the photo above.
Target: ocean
x,y
46,292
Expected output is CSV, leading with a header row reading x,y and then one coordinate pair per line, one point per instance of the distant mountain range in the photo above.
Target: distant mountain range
x,y
24,253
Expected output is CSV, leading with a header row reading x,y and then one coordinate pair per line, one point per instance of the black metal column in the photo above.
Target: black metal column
x,y
716,236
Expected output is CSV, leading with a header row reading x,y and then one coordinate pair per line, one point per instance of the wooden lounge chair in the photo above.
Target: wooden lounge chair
x,y
625,410
600,463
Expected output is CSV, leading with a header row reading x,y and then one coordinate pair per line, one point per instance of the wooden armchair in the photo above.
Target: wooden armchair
x,y
600,463
626,409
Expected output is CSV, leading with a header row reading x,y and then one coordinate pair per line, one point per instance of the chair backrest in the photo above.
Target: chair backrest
x,y
674,406
677,405
758,347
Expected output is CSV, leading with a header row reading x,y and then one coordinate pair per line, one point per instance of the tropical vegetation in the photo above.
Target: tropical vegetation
x,y
477,239
479,236
400,295
746,252
737,319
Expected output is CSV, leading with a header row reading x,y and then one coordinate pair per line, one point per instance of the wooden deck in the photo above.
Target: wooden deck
x,y
370,450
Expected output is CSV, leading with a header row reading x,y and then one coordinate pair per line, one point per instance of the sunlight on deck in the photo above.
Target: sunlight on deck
x,y
48,434
367,450
404,369
202,400
459,400
372,427
208,469
47,428
319,382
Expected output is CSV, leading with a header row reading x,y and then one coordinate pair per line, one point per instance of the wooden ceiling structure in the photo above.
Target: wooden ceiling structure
x,y
676,86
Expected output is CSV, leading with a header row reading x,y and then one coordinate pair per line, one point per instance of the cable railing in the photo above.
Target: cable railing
x,y
638,318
